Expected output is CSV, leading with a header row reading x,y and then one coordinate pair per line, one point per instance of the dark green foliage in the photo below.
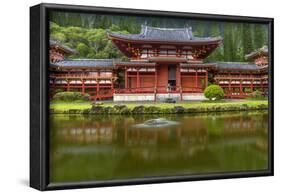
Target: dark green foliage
x,y
58,90
89,43
259,36
179,109
90,29
247,39
214,92
82,49
228,45
257,94
138,110
70,96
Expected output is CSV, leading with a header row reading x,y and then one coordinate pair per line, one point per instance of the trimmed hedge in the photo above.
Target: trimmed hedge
x,y
257,94
70,96
124,110
214,92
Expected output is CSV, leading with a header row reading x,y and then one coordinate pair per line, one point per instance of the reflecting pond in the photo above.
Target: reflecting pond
x,y
84,148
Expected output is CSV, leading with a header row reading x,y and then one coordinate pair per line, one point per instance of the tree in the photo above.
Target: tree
x,y
72,29
217,55
82,49
214,92
247,39
259,36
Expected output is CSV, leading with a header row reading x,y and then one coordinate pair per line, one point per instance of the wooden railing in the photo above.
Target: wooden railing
x,y
99,95
241,77
81,76
172,89
236,95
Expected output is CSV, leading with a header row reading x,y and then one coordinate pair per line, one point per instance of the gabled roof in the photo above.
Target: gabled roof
x,y
164,34
260,51
134,63
237,66
85,63
62,46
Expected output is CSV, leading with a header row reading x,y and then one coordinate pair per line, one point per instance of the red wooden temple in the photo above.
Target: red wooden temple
x,y
163,63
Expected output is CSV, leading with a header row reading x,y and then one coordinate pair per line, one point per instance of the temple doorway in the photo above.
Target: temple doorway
x,y
172,77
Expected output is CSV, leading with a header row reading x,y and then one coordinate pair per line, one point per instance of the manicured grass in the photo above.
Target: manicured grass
x,y
70,105
205,104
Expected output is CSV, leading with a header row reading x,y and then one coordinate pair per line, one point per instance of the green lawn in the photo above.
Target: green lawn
x,y
205,104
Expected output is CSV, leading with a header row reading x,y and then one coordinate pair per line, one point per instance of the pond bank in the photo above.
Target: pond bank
x,y
179,108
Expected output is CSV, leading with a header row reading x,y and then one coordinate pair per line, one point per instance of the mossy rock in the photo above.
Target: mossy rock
x,y
86,111
125,111
138,110
168,111
218,108
109,110
119,106
153,109
51,111
59,112
74,111
179,109
262,106
97,109
191,110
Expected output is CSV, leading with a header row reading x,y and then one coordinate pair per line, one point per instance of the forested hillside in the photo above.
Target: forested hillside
x,y
87,34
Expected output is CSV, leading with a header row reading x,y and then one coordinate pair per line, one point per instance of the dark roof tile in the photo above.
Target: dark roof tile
x,y
101,63
237,66
165,34
263,50
66,48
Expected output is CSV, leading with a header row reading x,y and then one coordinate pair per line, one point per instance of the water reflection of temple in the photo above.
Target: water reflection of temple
x,y
204,143
191,131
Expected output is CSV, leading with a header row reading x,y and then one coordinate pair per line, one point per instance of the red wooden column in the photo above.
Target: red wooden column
x,y
126,79
155,77
206,78
98,84
241,86
54,83
155,83
196,79
138,78
68,85
98,88
261,85
112,87
252,86
229,86
83,86
179,80
68,82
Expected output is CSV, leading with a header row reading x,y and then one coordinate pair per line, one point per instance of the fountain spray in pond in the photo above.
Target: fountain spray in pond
x,y
159,122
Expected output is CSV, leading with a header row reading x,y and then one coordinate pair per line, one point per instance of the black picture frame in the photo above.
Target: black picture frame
x,y
39,42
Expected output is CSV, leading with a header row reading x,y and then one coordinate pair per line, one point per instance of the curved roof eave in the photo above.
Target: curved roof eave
x,y
195,41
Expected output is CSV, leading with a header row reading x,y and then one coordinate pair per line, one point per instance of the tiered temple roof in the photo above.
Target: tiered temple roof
x,y
85,63
179,40
65,48
111,63
238,66
260,52
226,66
180,35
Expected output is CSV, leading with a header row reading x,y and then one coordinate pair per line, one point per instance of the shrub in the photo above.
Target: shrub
x,y
71,96
214,92
256,94
58,91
